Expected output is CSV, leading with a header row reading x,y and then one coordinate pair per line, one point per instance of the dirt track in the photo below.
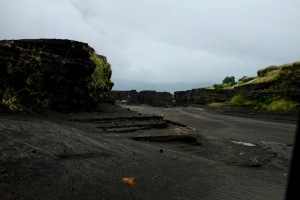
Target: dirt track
x,y
82,156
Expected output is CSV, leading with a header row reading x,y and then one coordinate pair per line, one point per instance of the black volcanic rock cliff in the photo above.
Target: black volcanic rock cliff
x,y
62,74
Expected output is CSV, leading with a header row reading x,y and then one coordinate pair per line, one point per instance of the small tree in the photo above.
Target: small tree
x,y
229,79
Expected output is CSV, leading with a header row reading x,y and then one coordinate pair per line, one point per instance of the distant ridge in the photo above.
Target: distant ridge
x,y
159,87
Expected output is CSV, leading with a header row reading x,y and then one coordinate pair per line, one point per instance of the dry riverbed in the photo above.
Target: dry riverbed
x,y
171,153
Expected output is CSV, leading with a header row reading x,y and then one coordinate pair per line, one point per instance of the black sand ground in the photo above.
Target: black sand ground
x,y
86,155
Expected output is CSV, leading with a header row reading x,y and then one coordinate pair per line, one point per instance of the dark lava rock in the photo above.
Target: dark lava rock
x,y
65,75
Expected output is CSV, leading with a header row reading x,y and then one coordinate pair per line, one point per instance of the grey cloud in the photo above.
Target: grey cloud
x,y
166,41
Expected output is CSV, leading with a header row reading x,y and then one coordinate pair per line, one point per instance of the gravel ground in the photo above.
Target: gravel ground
x,y
198,154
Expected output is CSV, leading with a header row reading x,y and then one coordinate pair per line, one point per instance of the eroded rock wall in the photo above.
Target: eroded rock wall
x,y
63,74
180,98
129,97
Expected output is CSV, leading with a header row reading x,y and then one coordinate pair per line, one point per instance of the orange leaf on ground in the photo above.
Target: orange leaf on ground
x,y
129,181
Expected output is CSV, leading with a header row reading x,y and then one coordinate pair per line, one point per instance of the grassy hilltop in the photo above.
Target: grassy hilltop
x,y
275,88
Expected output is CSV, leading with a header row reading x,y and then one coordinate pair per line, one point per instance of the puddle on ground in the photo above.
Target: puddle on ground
x,y
244,143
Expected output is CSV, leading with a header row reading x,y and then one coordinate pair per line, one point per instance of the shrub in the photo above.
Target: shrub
x,y
263,104
10,99
265,71
240,100
283,105
218,86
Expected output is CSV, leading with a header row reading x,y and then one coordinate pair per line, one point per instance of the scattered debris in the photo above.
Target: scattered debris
x,y
254,162
181,131
129,181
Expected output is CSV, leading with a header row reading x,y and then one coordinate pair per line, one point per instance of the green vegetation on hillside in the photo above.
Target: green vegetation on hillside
x,y
29,68
277,82
240,100
100,79
244,80
269,104
281,75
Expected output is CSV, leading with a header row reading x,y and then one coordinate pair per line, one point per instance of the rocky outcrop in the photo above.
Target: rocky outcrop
x,y
129,97
146,97
149,97
163,99
62,74
153,98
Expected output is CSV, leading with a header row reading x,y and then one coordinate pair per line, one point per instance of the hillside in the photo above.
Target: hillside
x,y
281,77
274,88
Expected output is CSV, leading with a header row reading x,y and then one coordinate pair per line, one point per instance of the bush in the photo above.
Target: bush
x,y
240,100
265,71
283,105
10,99
218,86
237,100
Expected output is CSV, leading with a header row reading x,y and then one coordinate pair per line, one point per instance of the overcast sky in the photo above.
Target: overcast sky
x,y
166,41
